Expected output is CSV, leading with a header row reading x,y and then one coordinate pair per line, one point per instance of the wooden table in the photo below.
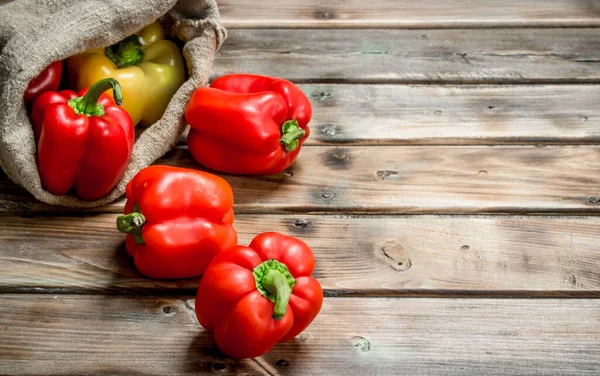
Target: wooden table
x,y
449,190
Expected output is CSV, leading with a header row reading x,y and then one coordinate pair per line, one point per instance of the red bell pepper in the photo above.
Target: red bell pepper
x,y
177,220
248,124
47,80
254,297
41,103
85,142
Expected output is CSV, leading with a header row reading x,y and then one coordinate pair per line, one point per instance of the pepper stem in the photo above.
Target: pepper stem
x,y
127,52
88,104
275,282
291,133
132,223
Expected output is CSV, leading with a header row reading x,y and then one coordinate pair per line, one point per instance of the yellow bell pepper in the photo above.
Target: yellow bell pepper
x,y
149,68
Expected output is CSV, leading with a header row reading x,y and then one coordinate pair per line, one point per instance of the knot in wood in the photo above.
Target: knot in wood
x,y
324,15
301,223
395,256
321,95
282,363
361,343
219,366
328,130
383,174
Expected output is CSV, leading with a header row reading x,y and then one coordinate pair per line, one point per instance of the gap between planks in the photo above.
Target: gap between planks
x,y
436,82
233,24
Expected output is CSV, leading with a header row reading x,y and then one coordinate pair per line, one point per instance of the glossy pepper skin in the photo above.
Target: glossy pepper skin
x,y
248,124
85,142
149,68
254,297
44,100
47,80
177,220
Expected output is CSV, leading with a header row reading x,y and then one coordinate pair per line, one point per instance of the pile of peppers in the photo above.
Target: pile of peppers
x,y
179,222
84,143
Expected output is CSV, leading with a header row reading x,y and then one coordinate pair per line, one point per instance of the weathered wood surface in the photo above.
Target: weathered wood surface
x,y
475,179
401,180
42,334
408,14
452,114
396,124
409,256
409,114
414,56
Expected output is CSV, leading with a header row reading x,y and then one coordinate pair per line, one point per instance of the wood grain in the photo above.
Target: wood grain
x,y
159,336
414,114
408,14
414,56
406,180
419,14
477,179
379,147
392,256
452,114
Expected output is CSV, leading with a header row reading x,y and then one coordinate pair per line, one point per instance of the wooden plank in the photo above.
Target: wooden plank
x,y
160,336
409,114
418,14
392,256
452,114
406,180
408,14
414,56
428,179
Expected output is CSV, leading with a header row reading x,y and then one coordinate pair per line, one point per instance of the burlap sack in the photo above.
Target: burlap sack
x,y
34,33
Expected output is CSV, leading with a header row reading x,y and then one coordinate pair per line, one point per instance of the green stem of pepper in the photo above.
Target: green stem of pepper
x,y
275,282
88,104
291,133
132,223
126,52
